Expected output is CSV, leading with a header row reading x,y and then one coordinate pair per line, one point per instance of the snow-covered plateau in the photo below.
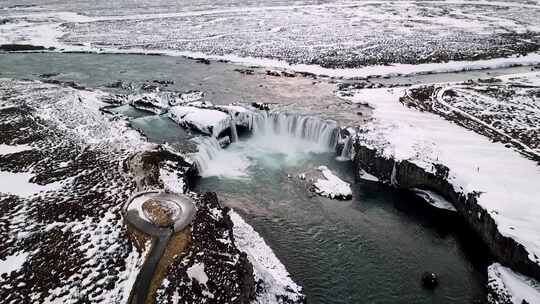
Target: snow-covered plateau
x,y
498,179
374,37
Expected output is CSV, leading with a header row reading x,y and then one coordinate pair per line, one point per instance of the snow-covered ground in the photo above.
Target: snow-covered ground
x,y
371,34
508,182
8,149
61,189
511,287
332,186
507,105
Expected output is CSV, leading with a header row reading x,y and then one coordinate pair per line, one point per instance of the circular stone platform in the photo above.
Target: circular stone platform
x,y
153,211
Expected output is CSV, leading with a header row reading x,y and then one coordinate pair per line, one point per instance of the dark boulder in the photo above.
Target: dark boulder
x,y
20,47
430,280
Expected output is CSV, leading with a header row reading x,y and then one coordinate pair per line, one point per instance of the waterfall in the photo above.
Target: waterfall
x,y
304,127
393,179
284,134
346,150
234,132
208,147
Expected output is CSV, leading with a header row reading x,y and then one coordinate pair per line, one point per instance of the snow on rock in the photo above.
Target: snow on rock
x,y
12,262
160,102
9,149
77,112
506,287
434,199
196,271
69,207
151,102
19,184
269,271
508,182
332,186
241,115
172,181
211,122
190,96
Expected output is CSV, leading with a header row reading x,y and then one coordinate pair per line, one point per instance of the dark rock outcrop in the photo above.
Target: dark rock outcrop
x,y
214,270
21,47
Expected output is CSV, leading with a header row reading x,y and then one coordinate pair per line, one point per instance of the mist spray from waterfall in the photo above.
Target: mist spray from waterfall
x,y
276,140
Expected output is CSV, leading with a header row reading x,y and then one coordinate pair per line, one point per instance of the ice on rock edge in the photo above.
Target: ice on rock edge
x,y
434,199
332,186
368,177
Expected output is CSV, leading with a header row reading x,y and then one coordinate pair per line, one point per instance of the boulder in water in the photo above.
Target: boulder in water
x,y
430,280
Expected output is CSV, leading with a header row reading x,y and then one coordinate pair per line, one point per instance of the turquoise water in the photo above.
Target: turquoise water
x,y
372,249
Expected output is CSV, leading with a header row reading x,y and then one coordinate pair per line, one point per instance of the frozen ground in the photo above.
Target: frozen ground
x,y
507,182
507,287
342,34
63,236
506,108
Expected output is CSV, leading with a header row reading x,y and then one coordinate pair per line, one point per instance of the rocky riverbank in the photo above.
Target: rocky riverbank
x,y
69,178
208,243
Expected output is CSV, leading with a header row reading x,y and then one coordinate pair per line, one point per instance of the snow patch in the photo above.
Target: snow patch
x,y
8,149
19,184
13,262
332,186
171,181
196,271
266,266
513,286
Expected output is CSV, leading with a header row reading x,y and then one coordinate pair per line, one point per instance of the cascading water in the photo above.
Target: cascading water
x,y
234,131
303,127
208,147
346,150
284,136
